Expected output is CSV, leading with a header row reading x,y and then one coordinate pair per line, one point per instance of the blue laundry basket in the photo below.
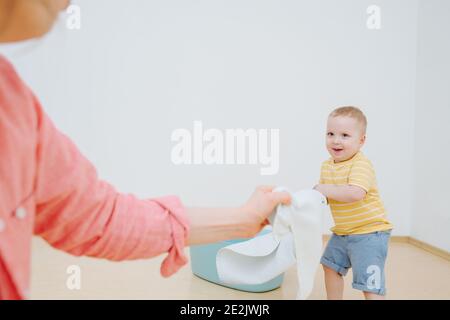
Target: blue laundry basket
x,y
203,262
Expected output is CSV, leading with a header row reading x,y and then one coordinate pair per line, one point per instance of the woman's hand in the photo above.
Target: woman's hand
x,y
259,207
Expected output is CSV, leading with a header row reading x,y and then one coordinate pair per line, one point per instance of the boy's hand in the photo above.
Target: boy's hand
x,y
260,205
322,188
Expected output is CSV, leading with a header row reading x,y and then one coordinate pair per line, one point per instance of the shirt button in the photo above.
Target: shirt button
x,y
2,225
21,213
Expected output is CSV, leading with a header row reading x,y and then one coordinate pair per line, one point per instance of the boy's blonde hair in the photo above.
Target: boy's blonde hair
x,y
353,112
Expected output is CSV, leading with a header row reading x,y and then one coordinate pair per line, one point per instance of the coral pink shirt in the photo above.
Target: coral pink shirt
x,y
49,189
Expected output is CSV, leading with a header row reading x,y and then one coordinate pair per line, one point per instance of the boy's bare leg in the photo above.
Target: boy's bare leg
x,y
372,296
334,284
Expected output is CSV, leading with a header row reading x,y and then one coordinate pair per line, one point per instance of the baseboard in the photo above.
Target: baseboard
x,y
428,247
403,239
420,244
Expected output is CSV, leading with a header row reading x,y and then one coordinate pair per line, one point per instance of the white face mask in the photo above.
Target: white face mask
x,y
19,49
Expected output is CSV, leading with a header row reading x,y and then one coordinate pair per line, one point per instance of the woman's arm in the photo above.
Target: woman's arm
x,y
79,213
216,224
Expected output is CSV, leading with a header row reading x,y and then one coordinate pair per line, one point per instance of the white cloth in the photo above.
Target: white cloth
x,y
296,237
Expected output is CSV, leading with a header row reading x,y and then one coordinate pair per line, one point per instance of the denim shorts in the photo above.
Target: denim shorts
x,y
365,254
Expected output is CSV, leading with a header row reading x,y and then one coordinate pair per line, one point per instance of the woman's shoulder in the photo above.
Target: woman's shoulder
x,y
7,72
17,103
10,79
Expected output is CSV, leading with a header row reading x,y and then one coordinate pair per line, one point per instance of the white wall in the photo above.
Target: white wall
x,y
138,70
431,213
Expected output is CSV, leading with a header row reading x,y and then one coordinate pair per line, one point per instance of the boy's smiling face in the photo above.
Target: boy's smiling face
x,y
345,136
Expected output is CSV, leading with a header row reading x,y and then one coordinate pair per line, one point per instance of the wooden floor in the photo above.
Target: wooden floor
x,y
412,273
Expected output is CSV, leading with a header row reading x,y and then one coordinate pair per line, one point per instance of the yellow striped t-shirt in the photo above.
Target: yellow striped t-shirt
x,y
364,216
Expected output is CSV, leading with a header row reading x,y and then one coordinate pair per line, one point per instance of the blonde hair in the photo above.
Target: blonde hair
x,y
352,112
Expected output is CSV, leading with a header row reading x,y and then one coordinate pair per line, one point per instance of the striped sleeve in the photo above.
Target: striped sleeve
x,y
362,175
321,179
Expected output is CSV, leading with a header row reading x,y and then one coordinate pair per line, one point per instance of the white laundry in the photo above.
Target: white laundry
x,y
296,237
